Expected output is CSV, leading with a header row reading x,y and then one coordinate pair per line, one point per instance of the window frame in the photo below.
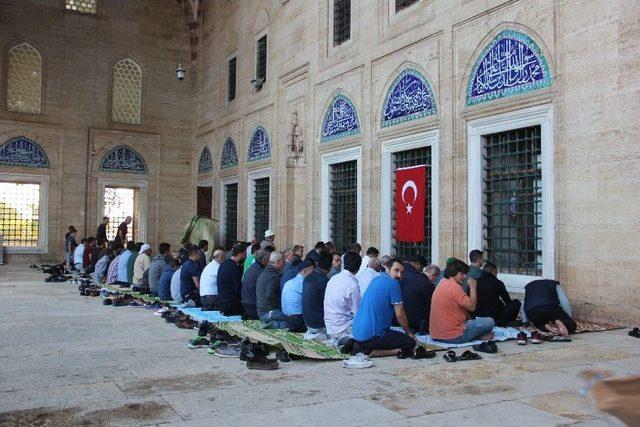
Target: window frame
x,y
63,7
251,177
5,83
111,88
229,58
141,186
331,21
393,15
223,207
43,211
542,116
260,35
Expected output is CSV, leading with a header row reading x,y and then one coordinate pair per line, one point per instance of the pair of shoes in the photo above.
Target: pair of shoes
x,y
536,338
250,351
283,356
227,350
405,354
423,353
486,347
451,356
198,342
359,361
262,363
186,323
203,330
347,346
635,332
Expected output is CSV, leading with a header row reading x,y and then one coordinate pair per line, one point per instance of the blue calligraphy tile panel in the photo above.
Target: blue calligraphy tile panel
x,y
123,159
22,151
205,164
259,146
409,97
510,65
340,120
229,156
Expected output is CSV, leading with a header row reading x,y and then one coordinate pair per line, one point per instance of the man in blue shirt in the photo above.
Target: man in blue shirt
x,y
230,281
313,288
292,297
164,284
122,265
372,322
190,277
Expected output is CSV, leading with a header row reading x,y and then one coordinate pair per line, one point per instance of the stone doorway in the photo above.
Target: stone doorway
x,y
205,198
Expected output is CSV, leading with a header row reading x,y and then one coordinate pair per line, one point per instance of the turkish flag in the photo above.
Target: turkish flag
x,y
411,184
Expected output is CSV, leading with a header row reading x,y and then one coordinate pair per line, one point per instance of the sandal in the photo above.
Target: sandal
x,y
486,347
450,356
469,355
635,332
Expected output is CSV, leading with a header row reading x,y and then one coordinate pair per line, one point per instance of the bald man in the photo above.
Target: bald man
x,y
209,282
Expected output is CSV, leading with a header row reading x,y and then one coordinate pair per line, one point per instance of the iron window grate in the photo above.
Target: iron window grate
x,y
341,21
19,213
261,58
512,200
261,207
403,159
231,77
403,4
230,215
344,204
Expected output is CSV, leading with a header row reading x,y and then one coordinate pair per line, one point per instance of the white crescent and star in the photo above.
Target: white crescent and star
x,y
414,187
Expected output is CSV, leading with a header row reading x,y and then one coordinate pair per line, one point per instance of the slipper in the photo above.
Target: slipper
x,y
450,356
469,355
423,353
635,332
560,339
486,347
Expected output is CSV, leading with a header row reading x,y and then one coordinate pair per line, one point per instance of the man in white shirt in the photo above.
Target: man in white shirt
x,y
209,282
365,276
342,297
175,286
372,253
141,264
78,253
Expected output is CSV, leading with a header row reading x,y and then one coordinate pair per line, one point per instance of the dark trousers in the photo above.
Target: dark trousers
x,y
232,308
508,313
250,311
195,296
296,323
391,340
211,303
540,316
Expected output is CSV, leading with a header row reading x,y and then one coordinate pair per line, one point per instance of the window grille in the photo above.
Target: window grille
x,y
19,213
261,207
513,200
403,159
261,58
231,83
341,21
230,215
126,95
81,6
24,79
118,205
344,204
403,4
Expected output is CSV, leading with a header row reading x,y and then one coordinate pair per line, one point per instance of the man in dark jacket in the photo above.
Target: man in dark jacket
x,y
230,281
416,294
547,307
101,233
493,299
313,287
157,266
249,280
268,293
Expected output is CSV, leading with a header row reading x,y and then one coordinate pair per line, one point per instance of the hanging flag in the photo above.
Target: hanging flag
x,y
410,203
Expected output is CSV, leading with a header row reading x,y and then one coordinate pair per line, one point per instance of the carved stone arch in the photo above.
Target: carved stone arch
x,y
419,103
521,34
340,117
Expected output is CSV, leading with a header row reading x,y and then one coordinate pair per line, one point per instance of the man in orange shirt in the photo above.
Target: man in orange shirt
x,y
449,320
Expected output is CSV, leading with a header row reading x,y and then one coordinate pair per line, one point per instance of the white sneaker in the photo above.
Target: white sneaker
x,y
359,361
318,337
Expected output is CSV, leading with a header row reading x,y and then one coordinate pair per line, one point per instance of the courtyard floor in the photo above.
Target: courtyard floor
x,y
67,359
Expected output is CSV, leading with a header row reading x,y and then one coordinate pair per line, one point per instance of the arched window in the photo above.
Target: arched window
x,y
259,145
205,163
126,92
81,6
409,97
340,120
123,159
229,156
24,79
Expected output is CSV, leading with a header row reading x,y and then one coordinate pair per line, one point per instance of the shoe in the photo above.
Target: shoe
x,y
423,353
107,301
226,350
359,361
347,346
635,332
198,342
213,345
203,330
521,339
282,356
405,354
486,347
536,338
262,363
186,324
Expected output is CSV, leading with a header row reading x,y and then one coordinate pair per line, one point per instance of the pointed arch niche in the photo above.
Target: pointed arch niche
x,y
340,120
409,97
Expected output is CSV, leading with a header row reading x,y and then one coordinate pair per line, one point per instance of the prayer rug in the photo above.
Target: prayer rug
x,y
584,326
210,316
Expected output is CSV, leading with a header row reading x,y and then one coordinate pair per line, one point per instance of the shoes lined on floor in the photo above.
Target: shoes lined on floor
x,y
359,361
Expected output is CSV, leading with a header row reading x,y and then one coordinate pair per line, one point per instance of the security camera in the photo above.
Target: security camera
x,y
257,83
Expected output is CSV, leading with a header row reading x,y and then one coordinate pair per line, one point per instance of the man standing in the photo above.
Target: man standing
x,y
190,278
141,264
313,289
123,230
288,259
209,282
432,272
315,252
249,281
202,258
268,293
230,281
364,277
269,239
291,299
371,254
101,234
417,291
342,298
158,265
372,323
336,265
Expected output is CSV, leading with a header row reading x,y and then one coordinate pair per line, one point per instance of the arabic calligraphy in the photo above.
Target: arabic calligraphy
x,y
123,159
259,147
341,120
205,164
510,65
22,151
229,156
410,97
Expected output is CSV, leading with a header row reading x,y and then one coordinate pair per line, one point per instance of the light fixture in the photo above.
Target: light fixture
x,y
180,72
257,83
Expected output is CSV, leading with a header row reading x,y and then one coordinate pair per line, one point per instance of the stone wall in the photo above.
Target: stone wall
x,y
75,127
593,55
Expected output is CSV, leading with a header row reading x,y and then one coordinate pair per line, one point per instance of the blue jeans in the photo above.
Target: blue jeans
x,y
274,319
473,329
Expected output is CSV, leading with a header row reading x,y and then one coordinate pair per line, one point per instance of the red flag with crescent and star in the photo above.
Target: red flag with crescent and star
x,y
410,203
